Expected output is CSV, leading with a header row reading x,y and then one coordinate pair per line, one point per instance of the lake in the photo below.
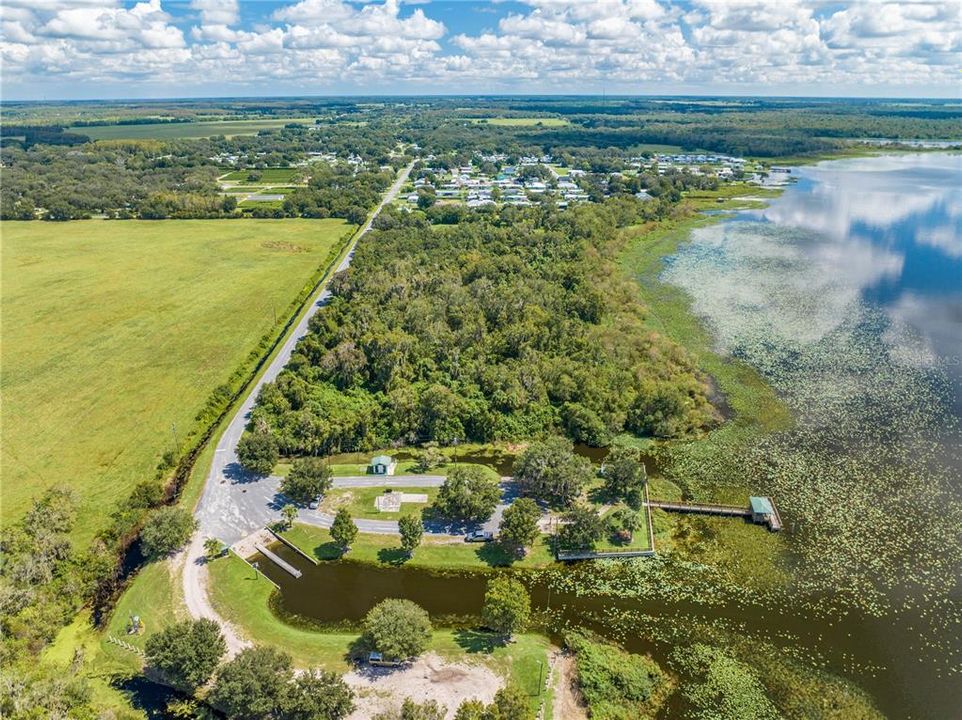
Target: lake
x,y
845,294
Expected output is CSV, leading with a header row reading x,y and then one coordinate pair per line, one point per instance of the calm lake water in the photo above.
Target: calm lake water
x,y
846,293
893,227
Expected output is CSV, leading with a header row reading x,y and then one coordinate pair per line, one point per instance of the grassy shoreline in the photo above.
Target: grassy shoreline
x,y
752,401
435,553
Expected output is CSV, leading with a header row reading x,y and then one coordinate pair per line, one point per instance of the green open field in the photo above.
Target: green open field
x,y
525,121
171,131
267,175
116,332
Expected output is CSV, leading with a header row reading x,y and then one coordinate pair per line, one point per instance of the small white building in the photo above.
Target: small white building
x,y
383,465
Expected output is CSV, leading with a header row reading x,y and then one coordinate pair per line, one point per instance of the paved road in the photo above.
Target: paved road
x,y
256,502
233,503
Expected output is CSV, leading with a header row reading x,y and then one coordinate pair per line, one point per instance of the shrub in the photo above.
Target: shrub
x,y
168,529
187,653
615,684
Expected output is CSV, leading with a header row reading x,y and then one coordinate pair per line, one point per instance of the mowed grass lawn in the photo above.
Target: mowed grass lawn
x,y
436,552
115,333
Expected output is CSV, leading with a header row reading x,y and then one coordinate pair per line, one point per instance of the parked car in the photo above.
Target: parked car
x,y
479,536
313,504
378,660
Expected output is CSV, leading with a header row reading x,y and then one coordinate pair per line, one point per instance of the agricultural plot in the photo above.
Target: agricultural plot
x,y
116,332
172,131
525,121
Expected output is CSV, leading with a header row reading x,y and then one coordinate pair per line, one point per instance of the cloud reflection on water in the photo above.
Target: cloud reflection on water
x,y
881,232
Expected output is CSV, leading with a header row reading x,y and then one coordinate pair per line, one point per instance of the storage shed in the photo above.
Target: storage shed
x,y
383,465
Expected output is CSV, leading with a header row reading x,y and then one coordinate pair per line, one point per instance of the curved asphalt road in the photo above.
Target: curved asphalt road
x,y
235,503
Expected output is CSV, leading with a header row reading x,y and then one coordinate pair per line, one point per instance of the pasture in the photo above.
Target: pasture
x,y
174,131
525,121
116,332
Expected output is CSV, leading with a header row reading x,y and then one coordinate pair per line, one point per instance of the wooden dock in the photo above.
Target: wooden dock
x,y
773,520
282,564
728,510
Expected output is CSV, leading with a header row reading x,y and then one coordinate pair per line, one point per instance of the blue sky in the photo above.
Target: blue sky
x,y
74,49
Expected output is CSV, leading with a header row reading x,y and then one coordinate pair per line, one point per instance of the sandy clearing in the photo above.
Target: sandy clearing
x,y
430,677
567,700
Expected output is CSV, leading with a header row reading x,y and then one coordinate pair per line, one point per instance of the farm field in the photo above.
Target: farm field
x,y
116,332
171,131
523,121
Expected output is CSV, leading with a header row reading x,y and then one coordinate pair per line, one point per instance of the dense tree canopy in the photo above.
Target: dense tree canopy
x,y
551,471
257,452
167,530
308,479
412,530
504,326
468,493
581,529
254,685
519,525
343,529
625,475
507,606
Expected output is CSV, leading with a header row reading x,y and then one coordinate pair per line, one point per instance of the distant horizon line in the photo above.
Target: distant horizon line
x,y
606,95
